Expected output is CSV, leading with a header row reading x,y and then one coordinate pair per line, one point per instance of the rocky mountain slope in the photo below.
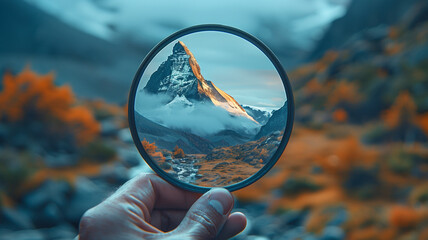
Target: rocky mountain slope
x,y
276,122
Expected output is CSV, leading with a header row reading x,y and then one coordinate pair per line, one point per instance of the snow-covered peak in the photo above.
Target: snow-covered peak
x,y
180,75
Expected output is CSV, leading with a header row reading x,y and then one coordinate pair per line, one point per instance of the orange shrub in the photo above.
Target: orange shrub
x,y
151,150
82,123
372,233
404,217
178,152
313,87
317,221
149,147
346,155
393,32
344,92
29,97
340,115
422,121
394,48
402,111
326,60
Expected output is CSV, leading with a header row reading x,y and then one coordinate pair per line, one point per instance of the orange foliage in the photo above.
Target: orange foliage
x,y
178,152
149,147
402,111
251,194
393,32
29,97
344,92
404,217
340,115
313,87
326,60
347,155
29,92
151,150
422,121
264,153
394,48
382,73
317,220
81,120
423,235
372,233
125,110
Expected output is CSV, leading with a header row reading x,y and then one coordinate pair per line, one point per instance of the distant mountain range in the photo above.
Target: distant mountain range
x,y
261,116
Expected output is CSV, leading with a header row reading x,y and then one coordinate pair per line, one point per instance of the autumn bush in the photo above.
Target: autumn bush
x,y
178,152
344,157
32,105
152,150
402,120
404,217
340,115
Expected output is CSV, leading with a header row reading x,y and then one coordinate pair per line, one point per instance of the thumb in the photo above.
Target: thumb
x,y
206,217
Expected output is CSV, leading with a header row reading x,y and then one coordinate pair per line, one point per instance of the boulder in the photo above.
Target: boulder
x,y
130,157
115,174
50,191
125,136
15,219
48,216
61,232
333,233
23,235
109,128
59,160
86,195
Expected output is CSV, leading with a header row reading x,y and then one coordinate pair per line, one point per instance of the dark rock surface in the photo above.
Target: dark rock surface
x,y
276,122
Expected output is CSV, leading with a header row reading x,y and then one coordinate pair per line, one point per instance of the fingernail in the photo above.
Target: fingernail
x,y
221,200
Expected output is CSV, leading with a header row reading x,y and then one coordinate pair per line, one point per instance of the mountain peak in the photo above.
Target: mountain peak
x,y
180,75
179,47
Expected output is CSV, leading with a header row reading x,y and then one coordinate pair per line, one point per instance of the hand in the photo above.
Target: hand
x,y
147,207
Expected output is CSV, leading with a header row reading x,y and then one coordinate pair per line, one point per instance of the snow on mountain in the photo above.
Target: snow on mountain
x,y
181,74
177,96
261,115
179,101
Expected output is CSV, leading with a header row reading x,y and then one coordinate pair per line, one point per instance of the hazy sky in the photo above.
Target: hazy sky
x,y
300,21
234,65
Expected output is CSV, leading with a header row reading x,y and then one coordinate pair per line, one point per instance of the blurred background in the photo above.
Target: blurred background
x,y
356,166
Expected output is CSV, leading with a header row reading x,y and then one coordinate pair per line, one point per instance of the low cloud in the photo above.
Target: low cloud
x,y
196,117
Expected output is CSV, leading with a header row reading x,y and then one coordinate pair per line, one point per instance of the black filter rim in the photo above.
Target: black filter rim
x,y
259,45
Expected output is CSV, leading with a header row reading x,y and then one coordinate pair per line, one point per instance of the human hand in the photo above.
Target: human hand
x,y
147,207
